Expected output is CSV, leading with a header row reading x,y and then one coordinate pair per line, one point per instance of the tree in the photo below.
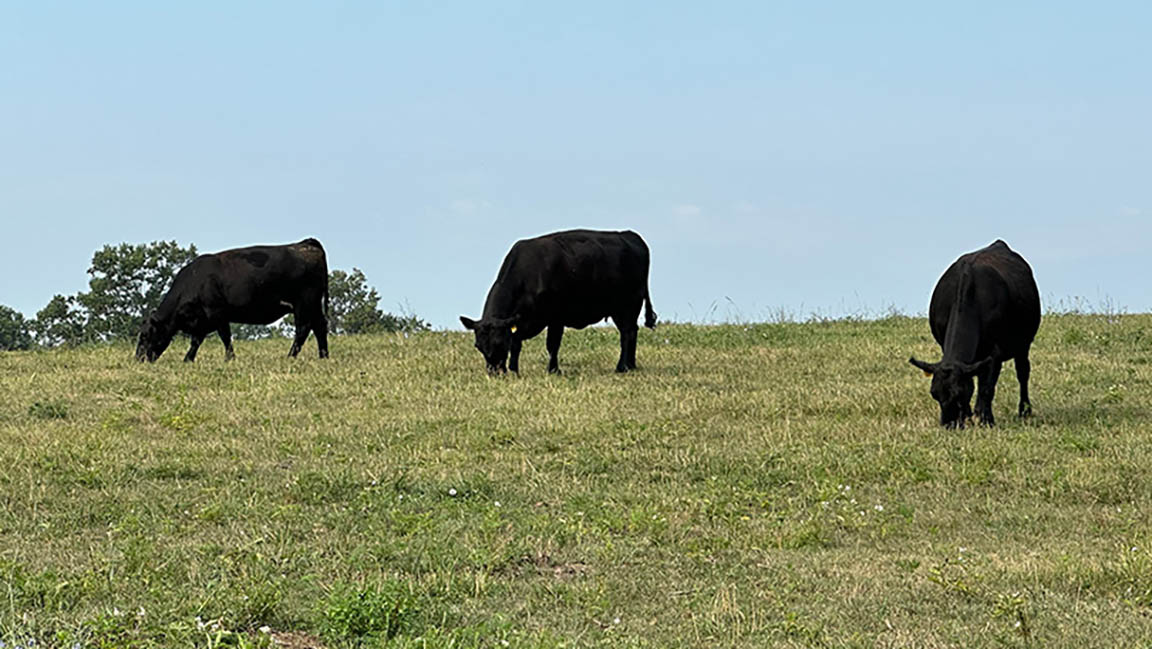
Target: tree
x,y
406,322
352,303
14,330
242,331
352,307
127,283
61,322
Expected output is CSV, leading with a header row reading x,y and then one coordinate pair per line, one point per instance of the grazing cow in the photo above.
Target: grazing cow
x,y
985,310
256,285
565,279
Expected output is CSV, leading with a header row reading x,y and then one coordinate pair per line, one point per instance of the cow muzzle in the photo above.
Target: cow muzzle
x,y
956,422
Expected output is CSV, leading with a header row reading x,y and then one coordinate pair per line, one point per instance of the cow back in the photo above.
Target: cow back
x,y
986,300
574,278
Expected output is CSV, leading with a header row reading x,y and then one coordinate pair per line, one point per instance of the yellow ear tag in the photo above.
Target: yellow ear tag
x,y
513,328
927,373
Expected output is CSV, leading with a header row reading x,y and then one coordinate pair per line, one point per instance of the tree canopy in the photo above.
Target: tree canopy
x,y
14,330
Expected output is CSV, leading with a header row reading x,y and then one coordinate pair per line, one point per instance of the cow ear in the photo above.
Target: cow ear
x,y
468,323
928,368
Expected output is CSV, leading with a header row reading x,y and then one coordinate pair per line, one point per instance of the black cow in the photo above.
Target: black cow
x,y
985,310
256,285
565,279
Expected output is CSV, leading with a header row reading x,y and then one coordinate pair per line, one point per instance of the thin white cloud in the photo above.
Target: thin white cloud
x,y
687,209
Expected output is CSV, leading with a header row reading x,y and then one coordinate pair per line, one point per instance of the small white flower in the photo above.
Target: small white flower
x,y
503,643
879,508
265,629
963,549
117,612
1017,625
452,492
616,621
140,613
498,504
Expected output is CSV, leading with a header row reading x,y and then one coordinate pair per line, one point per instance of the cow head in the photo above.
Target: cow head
x,y
493,339
952,387
154,339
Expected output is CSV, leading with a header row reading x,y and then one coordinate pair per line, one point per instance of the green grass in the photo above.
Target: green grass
x,y
764,485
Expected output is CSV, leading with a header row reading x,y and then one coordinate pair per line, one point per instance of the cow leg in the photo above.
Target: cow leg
x,y
302,329
555,334
226,337
633,334
628,333
514,355
191,355
320,328
1023,371
986,392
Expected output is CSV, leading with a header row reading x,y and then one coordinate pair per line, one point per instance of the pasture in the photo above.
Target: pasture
x,y
761,485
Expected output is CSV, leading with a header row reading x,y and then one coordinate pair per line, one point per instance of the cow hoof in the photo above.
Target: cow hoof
x,y
554,370
1025,411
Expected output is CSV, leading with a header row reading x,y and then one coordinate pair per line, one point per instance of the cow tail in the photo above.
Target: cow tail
x,y
649,314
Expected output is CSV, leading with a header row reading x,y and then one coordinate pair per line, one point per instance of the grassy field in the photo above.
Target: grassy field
x,y
763,485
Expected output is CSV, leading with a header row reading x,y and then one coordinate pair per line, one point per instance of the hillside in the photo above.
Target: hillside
x,y
772,484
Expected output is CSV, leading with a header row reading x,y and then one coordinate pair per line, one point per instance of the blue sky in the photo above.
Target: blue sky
x,y
829,157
